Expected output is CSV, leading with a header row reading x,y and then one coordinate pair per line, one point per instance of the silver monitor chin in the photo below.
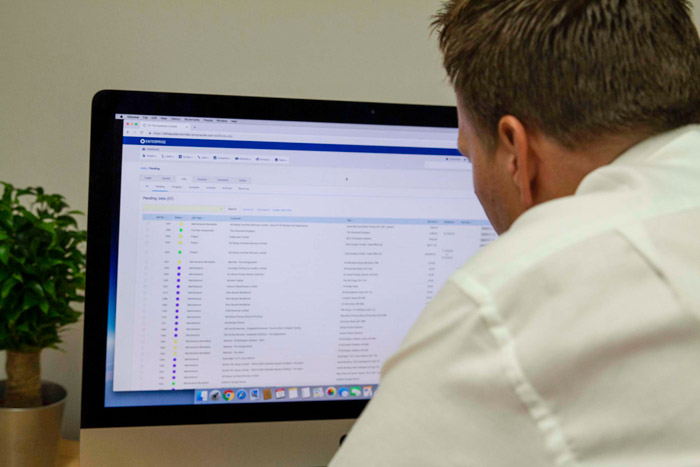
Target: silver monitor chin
x,y
307,443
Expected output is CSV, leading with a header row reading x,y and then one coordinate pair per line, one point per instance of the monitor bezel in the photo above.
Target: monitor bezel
x,y
103,208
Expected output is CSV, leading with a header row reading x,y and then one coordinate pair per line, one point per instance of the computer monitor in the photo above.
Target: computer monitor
x,y
251,264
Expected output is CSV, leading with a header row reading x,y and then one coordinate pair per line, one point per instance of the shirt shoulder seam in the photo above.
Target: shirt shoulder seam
x,y
544,419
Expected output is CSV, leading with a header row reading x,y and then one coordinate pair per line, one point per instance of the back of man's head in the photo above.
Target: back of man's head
x,y
574,69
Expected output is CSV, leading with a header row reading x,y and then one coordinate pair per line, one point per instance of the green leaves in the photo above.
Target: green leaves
x,y
42,267
30,300
4,251
50,289
7,287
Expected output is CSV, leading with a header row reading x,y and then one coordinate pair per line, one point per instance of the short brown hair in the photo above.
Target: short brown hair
x,y
574,69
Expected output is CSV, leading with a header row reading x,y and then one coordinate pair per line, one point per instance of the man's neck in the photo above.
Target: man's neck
x,y
563,168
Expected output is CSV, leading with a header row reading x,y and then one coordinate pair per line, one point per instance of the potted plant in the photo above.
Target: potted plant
x,y
42,272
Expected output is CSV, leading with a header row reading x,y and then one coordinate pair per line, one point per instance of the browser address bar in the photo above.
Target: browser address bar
x,y
166,126
305,138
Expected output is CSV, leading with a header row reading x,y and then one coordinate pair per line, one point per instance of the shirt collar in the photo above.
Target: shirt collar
x,y
652,147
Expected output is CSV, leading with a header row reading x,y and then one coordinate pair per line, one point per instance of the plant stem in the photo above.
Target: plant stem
x,y
23,388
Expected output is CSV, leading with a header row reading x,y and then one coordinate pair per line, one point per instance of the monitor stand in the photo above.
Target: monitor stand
x,y
299,443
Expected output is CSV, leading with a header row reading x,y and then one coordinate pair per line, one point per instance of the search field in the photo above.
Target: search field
x,y
173,207
448,165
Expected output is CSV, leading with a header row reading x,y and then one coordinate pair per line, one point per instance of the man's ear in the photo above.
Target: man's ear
x,y
515,144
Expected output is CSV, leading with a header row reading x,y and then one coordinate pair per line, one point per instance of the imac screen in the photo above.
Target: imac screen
x,y
268,261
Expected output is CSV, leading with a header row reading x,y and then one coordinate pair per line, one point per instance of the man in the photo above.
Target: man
x,y
574,339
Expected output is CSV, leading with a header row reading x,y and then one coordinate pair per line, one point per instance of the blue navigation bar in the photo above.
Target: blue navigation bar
x,y
279,146
310,220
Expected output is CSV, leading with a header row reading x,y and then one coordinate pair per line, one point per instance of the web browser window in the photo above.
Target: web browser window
x,y
264,261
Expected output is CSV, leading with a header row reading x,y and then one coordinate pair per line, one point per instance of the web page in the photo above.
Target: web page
x,y
281,256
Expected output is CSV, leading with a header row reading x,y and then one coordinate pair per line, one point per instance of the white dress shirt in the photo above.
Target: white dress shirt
x,y
572,340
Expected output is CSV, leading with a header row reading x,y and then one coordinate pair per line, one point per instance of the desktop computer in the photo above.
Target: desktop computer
x,y
251,264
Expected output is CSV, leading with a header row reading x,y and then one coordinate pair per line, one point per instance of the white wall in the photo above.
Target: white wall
x,y
56,55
